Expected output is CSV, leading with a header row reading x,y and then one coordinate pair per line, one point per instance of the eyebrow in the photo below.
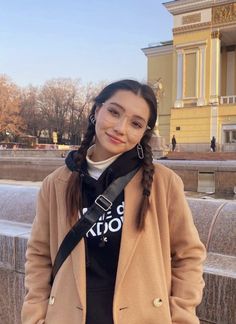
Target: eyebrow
x,y
121,107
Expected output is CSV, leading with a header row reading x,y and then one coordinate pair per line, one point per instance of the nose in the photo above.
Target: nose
x,y
120,126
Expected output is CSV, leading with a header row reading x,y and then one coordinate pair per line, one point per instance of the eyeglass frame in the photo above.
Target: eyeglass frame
x,y
147,127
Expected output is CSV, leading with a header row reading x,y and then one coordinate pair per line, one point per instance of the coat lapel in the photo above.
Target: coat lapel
x,y
79,269
130,235
78,254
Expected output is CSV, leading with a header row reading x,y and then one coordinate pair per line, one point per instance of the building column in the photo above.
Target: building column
x,y
215,67
202,99
179,81
214,122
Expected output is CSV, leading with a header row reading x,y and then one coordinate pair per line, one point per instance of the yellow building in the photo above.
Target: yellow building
x,y
198,73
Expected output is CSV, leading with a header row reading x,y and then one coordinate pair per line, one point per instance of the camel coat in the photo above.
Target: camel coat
x,y
159,275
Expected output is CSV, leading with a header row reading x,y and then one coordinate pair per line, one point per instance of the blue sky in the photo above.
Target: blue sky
x,y
93,40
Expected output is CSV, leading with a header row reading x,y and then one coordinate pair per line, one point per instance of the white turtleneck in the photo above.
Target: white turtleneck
x,y
95,169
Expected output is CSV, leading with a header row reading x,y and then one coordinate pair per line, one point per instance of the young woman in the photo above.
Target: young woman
x,y
141,263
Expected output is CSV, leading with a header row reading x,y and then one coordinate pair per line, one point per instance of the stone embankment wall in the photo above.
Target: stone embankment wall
x,y
215,221
224,173
40,153
37,168
28,168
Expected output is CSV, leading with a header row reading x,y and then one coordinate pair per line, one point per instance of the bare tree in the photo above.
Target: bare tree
x,y
60,105
80,110
30,112
55,100
64,105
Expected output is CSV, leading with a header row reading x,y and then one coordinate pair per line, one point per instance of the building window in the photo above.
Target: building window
x,y
190,75
234,136
230,136
227,136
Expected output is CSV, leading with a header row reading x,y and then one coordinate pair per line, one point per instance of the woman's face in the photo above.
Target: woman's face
x,y
120,124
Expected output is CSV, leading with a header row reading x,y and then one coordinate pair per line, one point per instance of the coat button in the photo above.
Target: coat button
x,y
51,300
157,302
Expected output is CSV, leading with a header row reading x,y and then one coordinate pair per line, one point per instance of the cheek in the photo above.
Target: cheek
x,y
135,139
101,125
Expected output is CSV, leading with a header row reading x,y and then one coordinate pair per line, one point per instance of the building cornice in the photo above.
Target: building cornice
x,y
158,50
191,44
190,28
183,6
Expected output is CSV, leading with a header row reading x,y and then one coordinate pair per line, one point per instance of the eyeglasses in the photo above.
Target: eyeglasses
x,y
114,113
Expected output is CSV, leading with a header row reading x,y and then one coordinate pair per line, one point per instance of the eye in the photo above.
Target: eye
x,y
137,124
114,112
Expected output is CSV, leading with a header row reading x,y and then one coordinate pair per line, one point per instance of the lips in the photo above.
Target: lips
x,y
115,139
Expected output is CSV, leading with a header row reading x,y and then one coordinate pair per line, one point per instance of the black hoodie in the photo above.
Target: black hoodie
x,y
103,239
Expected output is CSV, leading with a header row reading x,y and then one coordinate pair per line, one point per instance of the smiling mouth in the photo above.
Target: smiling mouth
x,y
115,139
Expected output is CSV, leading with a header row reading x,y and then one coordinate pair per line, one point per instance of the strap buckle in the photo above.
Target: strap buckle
x,y
103,202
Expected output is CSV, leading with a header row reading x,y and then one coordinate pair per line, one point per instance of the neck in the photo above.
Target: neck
x,y
96,168
94,156
97,155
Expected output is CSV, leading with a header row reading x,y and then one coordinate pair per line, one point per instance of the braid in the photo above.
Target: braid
x,y
73,195
148,171
82,151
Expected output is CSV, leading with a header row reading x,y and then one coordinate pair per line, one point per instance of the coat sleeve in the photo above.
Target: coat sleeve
x,y
38,263
187,257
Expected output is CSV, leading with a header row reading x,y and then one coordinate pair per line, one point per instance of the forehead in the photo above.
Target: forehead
x,y
131,103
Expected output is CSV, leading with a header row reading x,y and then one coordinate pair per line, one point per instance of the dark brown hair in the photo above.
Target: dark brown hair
x,y
73,194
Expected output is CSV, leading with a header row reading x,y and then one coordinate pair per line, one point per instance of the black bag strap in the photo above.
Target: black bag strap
x,y
102,204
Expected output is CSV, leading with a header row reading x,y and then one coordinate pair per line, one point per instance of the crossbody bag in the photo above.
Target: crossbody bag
x,y
101,205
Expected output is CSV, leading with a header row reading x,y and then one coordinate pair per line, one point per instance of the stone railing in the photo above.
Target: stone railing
x,y
17,210
214,219
36,169
224,173
28,168
228,100
33,153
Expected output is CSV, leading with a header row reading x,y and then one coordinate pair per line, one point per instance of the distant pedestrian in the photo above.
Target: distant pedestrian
x,y
213,144
173,141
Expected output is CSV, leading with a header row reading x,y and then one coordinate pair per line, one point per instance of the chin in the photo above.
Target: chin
x,y
115,152
115,149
